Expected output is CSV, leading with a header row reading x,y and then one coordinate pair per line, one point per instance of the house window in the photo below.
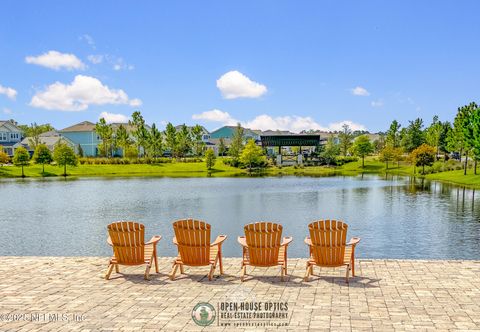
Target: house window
x,y
3,136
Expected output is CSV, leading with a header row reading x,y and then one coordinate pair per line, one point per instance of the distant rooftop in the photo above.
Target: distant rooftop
x,y
82,126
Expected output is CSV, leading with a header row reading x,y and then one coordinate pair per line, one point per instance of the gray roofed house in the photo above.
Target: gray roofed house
x,y
49,138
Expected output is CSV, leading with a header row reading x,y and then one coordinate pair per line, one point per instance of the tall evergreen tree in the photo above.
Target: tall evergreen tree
x,y
236,145
140,133
105,132
393,134
414,135
155,142
123,139
433,134
184,141
171,139
199,145
345,138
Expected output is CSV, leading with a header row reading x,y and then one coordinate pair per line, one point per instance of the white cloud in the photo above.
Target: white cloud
x,y
337,126
9,92
377,103
79,95
216,115
360,91
236,85
56,60
265,122
95,58
7,111
135,102
113,117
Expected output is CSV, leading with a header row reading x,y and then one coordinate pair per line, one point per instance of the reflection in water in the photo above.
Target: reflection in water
x,y
396,217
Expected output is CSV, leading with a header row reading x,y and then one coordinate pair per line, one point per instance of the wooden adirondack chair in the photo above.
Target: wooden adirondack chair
x,y
328,247
192,238
263,246
127,239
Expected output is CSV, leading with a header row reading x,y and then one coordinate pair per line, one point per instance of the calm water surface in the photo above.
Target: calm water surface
x,y
396,217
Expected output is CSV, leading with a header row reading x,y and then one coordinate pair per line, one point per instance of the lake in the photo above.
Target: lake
x,y
396,217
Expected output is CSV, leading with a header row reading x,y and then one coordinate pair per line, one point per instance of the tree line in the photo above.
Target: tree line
x,y
139,140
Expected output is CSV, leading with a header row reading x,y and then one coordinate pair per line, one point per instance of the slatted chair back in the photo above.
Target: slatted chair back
x,y
263,241
193,239
128,239
328,242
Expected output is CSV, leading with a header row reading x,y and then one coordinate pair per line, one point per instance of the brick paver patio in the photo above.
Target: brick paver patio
x,y
386,295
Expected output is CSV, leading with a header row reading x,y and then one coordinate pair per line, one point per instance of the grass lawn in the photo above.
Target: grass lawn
x,y
164,169
372,166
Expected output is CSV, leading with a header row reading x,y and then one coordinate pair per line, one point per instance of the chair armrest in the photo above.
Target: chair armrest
x,y
109,241
353,241
175,240
286,241
242,240
154,240
308,241
219,240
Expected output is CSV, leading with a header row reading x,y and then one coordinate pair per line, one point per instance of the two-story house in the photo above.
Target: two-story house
x,y
83,134
10,135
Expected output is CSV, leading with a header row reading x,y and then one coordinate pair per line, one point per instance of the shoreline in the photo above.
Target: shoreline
x,y
198,170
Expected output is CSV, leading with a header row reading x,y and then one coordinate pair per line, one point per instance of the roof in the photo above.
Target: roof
x,y
276,132
90,126
231,130
10,123
82,126
290,140
49,141
204,130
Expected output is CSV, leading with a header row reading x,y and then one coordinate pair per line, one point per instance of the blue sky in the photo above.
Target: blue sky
x,y
268,64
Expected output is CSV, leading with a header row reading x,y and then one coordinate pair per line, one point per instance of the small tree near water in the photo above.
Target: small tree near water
x,y
4,158
251,155
210,159
63,156
21,157
423,156
42,156
362,147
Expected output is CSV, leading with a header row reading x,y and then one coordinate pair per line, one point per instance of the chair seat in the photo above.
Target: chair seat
x,y
347,257
147,256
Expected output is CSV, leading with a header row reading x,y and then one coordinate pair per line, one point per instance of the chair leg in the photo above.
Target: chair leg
x,y
182,271
244,272
174,270
117,268
220,263
109,271
307,272
156,258
346,276
212,269
353,267
147,272
282,278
